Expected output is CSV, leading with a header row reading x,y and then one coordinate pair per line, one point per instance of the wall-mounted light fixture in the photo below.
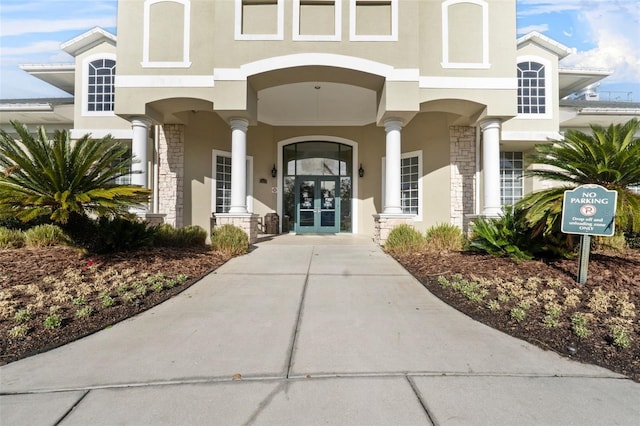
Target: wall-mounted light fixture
x,y
361,171
274,171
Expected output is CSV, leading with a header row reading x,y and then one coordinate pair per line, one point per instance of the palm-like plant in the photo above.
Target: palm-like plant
x,y
609,157
58,178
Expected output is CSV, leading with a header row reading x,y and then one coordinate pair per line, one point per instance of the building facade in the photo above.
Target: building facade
x,y
341,116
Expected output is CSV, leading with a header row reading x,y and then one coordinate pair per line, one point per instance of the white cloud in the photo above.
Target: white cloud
x,y
541,7
18,27
34,48
615,33
539,28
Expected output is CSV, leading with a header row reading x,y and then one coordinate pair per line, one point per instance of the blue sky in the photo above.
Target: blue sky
x,y
604,33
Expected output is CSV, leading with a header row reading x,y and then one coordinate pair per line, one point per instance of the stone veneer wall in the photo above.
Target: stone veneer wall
x,y
171,173
463,174
247,222
384,223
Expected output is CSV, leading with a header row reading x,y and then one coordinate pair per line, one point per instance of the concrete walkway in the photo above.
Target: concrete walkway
x,y
309,330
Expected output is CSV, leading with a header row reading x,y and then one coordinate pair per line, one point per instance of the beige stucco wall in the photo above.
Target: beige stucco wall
x,y
428,132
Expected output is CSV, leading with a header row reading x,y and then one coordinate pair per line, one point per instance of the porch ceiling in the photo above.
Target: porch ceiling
x,y
317,103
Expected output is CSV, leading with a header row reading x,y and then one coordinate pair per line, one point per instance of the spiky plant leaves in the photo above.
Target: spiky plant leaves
x,y
57,177
609,157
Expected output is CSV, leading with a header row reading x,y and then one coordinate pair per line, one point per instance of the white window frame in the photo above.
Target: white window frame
x,y
548,87
86,62
503,173
370,37
485,36
218,153
337,20
418,153
146,26
279,35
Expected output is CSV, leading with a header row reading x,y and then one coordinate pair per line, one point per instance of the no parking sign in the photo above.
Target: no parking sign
x,y
589,210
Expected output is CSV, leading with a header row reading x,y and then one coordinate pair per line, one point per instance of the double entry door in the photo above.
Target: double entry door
x,y
318,204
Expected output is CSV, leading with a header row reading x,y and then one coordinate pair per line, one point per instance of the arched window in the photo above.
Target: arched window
x,y
100,88
532,90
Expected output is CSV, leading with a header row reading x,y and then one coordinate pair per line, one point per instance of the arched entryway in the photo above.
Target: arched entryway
x,y
318,185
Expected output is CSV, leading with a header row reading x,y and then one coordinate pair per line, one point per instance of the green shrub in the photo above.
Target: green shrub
x,y
444,237
505,236
11,238
19,331
45,235
113,235
53,320
230,240
166,235
404,239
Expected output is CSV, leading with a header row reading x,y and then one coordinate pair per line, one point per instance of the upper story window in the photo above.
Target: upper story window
x,y
259,20
317,20
101,75
373,20
532,88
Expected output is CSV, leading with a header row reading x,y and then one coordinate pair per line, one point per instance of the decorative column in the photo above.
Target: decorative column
x,y
491,168
140,151
392,215
392,181
239,128
238,214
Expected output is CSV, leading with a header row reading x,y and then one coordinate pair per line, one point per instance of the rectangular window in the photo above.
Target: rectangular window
x,y
511,177
410,183
221,185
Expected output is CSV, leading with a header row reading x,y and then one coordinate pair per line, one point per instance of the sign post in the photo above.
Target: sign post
x,y
588,210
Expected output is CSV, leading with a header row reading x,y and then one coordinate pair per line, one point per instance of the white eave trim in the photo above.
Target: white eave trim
x,y
101,133
530,136
541,40
87,40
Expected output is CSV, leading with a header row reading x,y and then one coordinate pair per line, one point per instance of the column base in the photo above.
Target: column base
x,y
248,222
153,219
385,222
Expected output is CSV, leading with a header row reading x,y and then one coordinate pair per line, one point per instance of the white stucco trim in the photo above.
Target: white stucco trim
x,y
101,133
485,36
85,84
530,136
337,22
164,80
216,153
548,81
394,23
310,59
279,35
146,28
506,83
354,172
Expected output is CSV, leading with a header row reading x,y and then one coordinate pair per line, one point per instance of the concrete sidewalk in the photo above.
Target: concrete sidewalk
x,y
309,330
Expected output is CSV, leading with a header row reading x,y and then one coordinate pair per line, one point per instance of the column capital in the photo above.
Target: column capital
x,y
239,124
493,123
392,124
141,122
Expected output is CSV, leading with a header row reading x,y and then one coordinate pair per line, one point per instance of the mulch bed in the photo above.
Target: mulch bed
x,y
609,272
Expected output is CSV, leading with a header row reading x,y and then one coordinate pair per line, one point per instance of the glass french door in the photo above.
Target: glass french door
x,y
318,204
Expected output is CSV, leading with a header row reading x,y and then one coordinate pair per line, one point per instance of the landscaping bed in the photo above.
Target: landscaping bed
x,y
541,302
53,295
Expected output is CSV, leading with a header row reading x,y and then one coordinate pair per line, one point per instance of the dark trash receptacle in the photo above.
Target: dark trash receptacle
x,y
271,223
285,224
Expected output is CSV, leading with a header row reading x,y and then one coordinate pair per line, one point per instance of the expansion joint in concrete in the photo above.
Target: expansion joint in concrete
x,y
296,329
